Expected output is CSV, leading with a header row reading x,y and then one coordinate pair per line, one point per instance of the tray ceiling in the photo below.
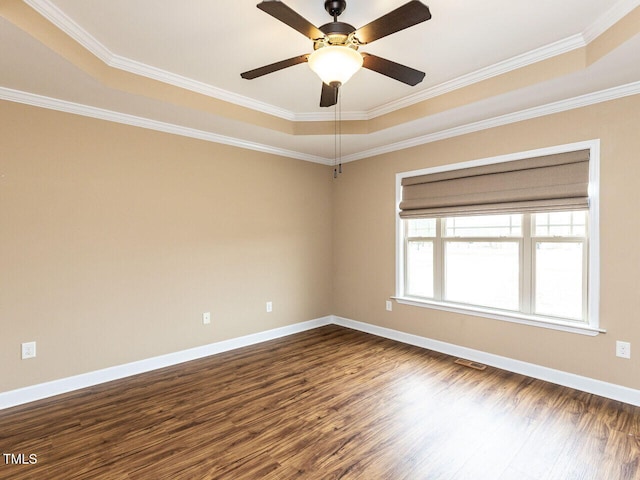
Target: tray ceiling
x,y
176,66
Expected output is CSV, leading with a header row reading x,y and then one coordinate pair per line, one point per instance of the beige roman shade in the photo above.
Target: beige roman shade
x,y
551,182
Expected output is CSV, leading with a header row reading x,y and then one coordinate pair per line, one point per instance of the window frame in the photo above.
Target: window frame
x,y
591,277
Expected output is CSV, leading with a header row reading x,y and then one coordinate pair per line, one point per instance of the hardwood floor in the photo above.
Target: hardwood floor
x,y
330,403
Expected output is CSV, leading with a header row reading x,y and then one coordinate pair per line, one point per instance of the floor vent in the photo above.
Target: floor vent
x,y
470,364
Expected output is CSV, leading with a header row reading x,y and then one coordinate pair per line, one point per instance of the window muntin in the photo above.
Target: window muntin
x,y
480,226
422,228
531,263
560,224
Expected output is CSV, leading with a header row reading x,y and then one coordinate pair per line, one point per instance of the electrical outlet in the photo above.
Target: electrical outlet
x,y
28,350
389,306
623,349
206,318
269,307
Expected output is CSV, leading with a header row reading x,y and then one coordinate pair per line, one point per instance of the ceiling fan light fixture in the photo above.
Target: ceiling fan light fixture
x,y
335,63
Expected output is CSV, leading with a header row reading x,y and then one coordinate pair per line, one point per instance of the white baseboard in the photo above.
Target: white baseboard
x,y
44,390
585,384
56,387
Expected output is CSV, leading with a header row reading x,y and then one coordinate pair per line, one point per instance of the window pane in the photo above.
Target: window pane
x,y
559,279
484,226
560,224
420,269
421,227
483,273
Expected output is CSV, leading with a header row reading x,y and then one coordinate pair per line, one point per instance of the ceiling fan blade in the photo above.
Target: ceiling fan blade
x,y
274,67
280,11
397,71
403,17
329,95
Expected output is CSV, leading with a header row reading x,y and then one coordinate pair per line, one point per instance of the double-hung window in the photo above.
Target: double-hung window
x,y
509,239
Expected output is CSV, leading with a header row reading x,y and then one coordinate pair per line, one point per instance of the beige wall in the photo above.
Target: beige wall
x,y
115,239
364,252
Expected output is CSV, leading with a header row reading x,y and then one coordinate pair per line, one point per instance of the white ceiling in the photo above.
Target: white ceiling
x,y
204,45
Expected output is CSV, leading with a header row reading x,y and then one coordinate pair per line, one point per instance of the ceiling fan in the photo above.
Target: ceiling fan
x,y
335,57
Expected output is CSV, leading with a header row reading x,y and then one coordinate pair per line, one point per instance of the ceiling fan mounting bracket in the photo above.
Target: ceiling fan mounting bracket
x,y
335,7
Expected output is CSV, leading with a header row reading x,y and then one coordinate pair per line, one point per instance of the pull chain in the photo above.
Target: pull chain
x,y
337,137
339,133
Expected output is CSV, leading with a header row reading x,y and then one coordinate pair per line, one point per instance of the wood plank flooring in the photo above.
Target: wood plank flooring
x,y
330,403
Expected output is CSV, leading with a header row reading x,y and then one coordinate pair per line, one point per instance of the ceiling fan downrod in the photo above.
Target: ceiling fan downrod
x,y
335,8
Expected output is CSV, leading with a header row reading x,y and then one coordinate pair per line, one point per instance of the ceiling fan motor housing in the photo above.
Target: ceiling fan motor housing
x,y
336,33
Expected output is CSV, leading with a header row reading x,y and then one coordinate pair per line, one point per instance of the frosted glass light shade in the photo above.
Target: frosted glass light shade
x,y
335,63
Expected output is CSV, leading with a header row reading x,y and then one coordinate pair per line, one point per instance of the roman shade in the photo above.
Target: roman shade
x,y
547,183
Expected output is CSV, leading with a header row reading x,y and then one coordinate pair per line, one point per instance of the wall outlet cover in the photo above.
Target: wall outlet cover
x,y
28,350
623,349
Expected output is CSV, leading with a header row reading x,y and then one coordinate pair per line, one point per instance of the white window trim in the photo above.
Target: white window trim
x,y
592,326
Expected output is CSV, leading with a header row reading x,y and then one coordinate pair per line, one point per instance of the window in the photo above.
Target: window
x,y
481,237
534,264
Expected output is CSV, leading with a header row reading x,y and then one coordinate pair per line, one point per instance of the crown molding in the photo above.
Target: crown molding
x,y
190,84
527,114
56,16
519,61
330,116
548,51
609,19
61,20
118,117
540,111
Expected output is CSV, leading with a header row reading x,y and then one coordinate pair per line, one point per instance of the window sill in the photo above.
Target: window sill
x,y
565,326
